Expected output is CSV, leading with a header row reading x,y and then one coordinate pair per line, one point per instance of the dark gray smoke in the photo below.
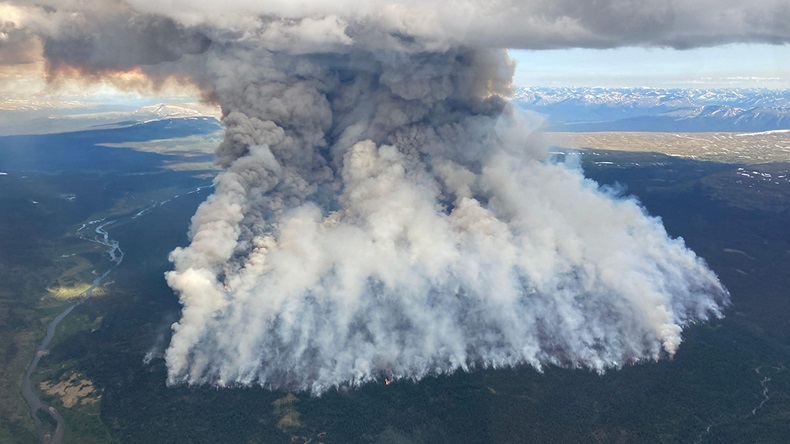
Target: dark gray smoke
x,y
383,211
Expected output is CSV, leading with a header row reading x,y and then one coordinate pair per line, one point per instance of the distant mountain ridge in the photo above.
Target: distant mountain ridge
x,y
657,109
39,116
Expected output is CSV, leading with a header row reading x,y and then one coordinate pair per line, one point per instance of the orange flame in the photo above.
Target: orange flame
x,y
387,381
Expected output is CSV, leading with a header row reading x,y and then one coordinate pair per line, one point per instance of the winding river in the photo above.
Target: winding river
x,y
100,236
92,231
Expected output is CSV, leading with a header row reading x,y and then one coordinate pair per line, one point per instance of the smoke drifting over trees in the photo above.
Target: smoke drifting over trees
x,y
389,214
383,210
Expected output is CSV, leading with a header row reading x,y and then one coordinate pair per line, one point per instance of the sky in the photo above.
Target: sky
x,y
729,66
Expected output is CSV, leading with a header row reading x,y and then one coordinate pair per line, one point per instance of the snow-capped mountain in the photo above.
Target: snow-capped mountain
x,y
42,116
175,111
645,97
655,109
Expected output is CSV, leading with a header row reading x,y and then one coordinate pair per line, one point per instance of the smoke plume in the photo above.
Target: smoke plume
x,y
389,214
383,210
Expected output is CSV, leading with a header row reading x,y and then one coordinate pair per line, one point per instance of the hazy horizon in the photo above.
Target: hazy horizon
x,y
732,66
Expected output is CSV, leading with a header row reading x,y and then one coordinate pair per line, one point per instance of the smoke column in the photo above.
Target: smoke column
x,y
389,214
383,211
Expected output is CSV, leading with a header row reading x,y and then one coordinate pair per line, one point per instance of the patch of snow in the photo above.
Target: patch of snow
x,y
764,132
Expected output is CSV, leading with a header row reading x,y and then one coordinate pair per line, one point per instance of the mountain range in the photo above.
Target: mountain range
x,y
656,109
565,109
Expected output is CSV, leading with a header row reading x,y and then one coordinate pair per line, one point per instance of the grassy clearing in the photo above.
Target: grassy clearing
x,y
72,391
737,148
77,399
191,153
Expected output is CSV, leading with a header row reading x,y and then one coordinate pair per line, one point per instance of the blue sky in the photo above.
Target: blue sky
x,y
730,66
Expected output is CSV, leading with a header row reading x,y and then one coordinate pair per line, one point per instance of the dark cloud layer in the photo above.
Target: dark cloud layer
x,y
119,34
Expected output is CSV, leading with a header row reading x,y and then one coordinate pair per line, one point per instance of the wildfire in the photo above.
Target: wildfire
x,y
387,381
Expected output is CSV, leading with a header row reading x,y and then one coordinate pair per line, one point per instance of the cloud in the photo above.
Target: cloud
x,y
120,34
506,23
95,39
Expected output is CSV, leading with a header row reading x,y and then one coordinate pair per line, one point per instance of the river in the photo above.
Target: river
x,y
100,236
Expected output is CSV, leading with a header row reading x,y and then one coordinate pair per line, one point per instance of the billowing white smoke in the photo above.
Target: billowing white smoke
x,y
389,215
